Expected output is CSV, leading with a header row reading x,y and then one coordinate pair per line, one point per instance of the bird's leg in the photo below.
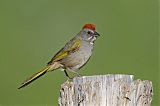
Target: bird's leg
x,y
76,73
67,74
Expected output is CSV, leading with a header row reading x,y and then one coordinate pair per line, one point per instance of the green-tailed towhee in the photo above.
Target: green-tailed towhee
x,y
72,56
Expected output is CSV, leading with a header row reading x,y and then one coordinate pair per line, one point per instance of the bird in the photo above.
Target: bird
x,y
73,56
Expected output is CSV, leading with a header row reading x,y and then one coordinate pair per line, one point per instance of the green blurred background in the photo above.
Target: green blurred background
x,y
32,31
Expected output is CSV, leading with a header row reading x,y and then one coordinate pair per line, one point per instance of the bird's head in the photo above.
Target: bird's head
x,y
89,33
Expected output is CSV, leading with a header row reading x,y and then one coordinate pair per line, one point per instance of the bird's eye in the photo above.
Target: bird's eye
x,y
89,32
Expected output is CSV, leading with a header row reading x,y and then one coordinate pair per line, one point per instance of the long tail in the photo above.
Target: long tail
x,y
34,77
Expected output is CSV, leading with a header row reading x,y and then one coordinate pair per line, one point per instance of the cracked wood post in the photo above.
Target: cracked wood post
x,y
106,90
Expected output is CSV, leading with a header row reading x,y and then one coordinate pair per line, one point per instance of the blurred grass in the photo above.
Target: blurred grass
x,y
32,31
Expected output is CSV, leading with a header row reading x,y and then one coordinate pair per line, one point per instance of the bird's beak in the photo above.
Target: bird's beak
x,y
96,34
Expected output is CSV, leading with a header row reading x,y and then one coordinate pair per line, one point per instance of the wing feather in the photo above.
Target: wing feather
x,y
70,47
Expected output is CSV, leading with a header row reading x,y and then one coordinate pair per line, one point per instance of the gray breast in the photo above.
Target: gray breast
x,y
79,58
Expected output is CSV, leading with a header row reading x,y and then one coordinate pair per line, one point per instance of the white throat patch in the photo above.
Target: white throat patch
x,y
92,39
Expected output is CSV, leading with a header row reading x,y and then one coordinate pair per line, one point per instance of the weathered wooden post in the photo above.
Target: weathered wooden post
x,y
106,90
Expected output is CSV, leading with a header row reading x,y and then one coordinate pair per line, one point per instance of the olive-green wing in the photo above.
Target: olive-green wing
x,y
70,47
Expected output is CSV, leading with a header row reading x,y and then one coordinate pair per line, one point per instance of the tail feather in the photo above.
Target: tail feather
x,y
34,77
